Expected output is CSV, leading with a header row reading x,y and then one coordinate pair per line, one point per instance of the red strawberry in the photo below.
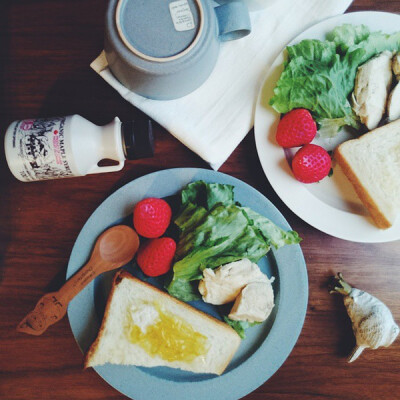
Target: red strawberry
x,y
296,128
311,163
155,257
151,217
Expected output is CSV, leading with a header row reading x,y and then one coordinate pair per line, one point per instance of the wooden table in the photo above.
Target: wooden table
x,y
45,48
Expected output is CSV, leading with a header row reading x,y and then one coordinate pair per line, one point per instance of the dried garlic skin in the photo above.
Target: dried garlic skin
x,y
371,87
372,322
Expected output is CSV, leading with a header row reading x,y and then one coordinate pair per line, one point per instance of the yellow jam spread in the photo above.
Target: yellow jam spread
x,y
169,337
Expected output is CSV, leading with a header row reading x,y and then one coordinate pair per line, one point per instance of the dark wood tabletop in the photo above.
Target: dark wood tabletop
x,y
45,49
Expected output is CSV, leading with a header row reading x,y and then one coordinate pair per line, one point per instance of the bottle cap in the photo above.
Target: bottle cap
x,y
138,138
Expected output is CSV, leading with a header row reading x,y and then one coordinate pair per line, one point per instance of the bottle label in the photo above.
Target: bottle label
x,y
40,146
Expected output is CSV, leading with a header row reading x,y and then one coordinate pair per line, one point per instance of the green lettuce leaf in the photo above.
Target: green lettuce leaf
x,y
213,231
224,233
314,50
183,290
189,217
240,326
273,234
207,194
319,75
350,39
347,35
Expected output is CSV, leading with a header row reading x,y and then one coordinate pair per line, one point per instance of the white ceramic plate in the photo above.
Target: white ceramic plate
x,y
331,205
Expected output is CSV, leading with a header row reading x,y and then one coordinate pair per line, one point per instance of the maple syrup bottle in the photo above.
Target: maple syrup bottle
x,y
62,147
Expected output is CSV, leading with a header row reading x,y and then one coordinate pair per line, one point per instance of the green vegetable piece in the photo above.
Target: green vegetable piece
x,y
219,193
189,217
207,194
223,236
319,75
240,326
183,290
194,193
347,35
272,234
215,231
312,50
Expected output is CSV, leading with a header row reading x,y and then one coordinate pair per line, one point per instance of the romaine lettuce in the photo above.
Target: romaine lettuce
x,y
214,230
319,75
240,326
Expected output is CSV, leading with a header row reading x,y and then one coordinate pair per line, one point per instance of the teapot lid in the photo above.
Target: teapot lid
x,y
158,30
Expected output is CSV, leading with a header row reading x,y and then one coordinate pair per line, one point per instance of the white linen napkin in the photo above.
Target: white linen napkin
x,y
215,118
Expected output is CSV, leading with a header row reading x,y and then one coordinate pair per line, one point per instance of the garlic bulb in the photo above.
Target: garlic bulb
x,y
372,321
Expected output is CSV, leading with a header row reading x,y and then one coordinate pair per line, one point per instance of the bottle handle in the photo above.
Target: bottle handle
x,y
109,168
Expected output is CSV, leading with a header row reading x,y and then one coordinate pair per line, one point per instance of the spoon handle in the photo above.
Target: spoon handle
x,y
81,279
53,306
114,248
47,311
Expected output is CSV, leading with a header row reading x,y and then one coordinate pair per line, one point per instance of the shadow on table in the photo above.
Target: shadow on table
x,y
85,93
4,55
81,91
5,174
346,340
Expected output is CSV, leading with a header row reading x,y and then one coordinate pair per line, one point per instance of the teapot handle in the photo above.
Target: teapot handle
x,y
233,20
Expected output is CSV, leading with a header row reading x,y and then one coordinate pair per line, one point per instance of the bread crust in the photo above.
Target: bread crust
x,y
93,347
122,274
378,217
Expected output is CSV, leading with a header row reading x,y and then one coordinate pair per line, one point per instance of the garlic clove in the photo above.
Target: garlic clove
x,y
355,353
372,322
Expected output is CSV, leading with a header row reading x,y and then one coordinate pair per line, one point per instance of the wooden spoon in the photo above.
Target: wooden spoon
x,y
114,248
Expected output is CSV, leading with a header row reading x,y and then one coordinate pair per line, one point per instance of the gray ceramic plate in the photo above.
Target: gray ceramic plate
x,y
266,346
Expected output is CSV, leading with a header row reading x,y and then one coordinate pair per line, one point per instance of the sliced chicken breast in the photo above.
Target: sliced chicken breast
x,y
393,104
254,303
372,84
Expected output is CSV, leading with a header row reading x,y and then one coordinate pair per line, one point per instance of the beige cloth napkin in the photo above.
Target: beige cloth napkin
x,y
215,118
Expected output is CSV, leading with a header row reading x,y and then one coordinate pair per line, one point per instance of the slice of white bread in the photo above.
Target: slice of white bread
x,y
372,164
113,344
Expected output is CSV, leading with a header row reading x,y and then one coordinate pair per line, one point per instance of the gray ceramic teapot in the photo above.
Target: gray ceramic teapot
x,y
165,49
